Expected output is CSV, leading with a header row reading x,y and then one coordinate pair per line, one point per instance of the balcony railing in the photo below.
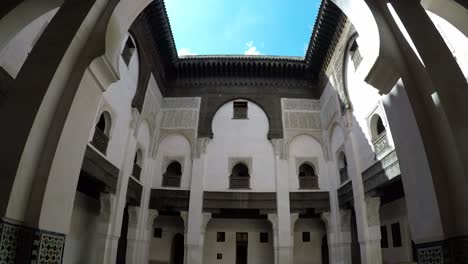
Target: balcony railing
x,y
171,180
239,182
136,172
381,143
308,182
100,140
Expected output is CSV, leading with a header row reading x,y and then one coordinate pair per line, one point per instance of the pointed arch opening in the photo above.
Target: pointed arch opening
x,y
172,176
308,178
240,177
101,134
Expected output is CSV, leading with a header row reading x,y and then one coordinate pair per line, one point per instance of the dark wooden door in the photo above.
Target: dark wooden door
x,y
122,245
177,249
242,240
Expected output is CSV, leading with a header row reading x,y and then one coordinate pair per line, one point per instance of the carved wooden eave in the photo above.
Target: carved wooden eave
x,y
195,71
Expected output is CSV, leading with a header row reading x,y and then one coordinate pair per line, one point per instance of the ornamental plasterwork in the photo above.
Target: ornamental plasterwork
x,y
373,206
180,116
329,110
301,104
247,161
169,159
279,146
345,219
301,114
202,144
151,109
182,103
311,160
302,120
176,119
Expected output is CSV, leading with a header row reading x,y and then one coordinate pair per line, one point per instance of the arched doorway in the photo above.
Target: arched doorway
x,y
177,249
122,244
355,247
325,257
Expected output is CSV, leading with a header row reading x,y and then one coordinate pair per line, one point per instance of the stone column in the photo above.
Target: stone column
x,y
435,183
370,244
448,80
148,236
105,239
282,203
195,240
132,235
339,236
273,218
294,217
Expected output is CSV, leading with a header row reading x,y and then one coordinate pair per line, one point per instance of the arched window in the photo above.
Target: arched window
x,y
307,177
240,177
173,174
380,126
378,132
377,127
343,167
137,164
101,133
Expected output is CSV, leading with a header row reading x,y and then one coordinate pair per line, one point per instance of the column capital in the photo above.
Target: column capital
x,y
206,217
273,218
345,220
294,217
152,215
133,216
372,206
107,202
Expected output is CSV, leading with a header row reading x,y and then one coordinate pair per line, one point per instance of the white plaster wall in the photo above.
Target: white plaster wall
x,y
173,145
307,147
83,229
389,214
257,253
240,138
117,101
308,252
13,56
366,101
456,41
160,248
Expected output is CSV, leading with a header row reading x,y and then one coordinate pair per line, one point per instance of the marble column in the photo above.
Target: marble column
x,y
195,240
284,243
132,235
339,236
105,239
370,244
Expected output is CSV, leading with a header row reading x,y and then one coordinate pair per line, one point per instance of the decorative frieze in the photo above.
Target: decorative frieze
x,y
181,102
329,109
176,119
302,120
301,104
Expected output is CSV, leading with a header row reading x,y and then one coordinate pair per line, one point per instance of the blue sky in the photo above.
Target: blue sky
x,y
239,27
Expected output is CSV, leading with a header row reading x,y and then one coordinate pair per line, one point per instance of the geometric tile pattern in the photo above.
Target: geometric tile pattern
x,y
47,248
8,242
20,244
431,255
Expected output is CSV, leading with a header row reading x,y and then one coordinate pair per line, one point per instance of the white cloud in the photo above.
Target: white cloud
x,y
251,49
185,52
